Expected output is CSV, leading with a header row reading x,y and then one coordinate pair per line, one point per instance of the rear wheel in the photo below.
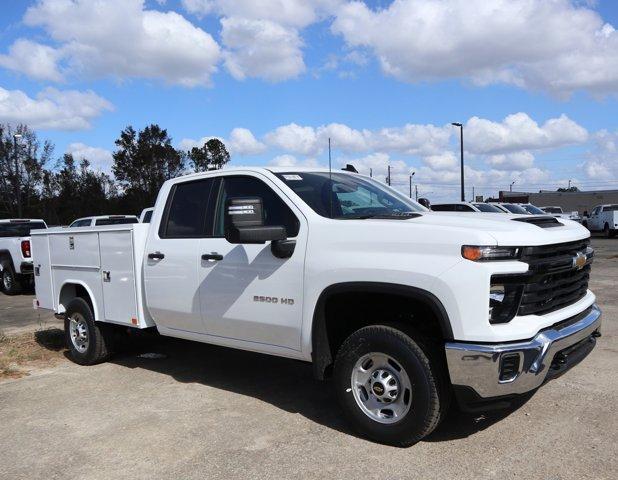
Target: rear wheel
x,y
389,387
10,281
88,341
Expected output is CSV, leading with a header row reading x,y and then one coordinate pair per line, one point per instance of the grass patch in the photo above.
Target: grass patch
x,y
21,353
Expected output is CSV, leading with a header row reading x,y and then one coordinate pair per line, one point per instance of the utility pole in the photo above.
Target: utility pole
x,y
17,179
511,186
388,179
473,196
411,175
371,173
569,184
460,125
416,192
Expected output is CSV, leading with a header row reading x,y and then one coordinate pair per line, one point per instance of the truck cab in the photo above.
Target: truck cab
x,y
604,218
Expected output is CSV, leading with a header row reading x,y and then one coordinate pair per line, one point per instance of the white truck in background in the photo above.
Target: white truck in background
x,y
15,253
603,218
559,213
404,308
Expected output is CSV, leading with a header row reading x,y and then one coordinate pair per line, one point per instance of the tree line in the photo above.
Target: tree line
x,y
35,184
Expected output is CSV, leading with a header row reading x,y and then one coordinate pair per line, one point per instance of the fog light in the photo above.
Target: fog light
x,y
509,367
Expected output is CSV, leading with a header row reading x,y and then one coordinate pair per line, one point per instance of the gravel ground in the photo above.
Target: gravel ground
x,y
208,412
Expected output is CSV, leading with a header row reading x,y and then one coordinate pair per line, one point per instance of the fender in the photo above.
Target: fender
x,y
321,353
88,291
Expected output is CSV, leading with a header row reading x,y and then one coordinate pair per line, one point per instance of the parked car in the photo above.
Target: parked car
x,y
603,218
465,207
104,220
401,306
146,215
532,209
511,208
558,213
16,254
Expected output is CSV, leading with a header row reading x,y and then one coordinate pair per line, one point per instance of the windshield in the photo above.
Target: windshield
x,y
511,207
116,221
534,210
552,209
19,229
348,196
485,207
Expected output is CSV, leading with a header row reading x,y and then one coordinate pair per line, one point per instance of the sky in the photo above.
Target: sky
x,y
533,82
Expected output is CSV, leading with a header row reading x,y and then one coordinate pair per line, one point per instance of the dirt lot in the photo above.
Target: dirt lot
x,y
208,412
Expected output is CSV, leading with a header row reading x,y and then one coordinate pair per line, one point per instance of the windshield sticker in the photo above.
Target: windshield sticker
x,y
292,177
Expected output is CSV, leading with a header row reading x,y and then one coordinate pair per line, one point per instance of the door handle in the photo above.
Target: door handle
x,y
156,256
212,256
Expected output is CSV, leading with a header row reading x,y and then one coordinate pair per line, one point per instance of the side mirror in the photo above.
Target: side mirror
x,y
244,222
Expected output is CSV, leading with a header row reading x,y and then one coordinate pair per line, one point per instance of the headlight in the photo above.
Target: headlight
x,y
480,253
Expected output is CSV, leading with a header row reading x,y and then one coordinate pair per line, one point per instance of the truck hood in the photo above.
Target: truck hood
x,y
508,230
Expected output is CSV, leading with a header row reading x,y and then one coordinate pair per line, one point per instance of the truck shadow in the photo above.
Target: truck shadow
x,y
284,383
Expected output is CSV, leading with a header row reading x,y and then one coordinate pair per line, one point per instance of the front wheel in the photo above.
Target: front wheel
x,y
388,386
88,341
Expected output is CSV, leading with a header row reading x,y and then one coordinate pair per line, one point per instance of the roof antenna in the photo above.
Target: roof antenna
x,y
330,179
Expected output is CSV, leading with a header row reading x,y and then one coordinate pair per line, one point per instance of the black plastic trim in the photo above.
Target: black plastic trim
x,y
321,351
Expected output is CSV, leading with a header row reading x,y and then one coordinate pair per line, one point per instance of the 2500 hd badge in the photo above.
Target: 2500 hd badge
x,y
282,301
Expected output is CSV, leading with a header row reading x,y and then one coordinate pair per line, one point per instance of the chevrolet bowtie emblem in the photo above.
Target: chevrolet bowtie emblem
x,y
579,261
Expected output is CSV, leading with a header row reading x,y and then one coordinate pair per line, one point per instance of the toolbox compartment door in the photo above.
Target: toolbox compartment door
x,y
118,277
44,288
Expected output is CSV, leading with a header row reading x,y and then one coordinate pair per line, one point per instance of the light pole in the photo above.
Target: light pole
x,y
411,175
511,186
17,182
455,124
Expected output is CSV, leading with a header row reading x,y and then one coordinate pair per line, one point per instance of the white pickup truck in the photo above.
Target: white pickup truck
x,y
603,218
15,253
401,306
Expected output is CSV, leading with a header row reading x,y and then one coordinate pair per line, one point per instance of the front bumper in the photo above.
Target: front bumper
x,y
479,369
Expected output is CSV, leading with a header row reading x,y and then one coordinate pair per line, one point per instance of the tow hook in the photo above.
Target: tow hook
x,y
596,334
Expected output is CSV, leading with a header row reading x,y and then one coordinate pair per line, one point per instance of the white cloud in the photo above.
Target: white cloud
x,y
519,132
121,38
261,48
443,161
602,162
33,59
293,138
558,46
415,139
242,142
511,161
99,158
284,160
52,109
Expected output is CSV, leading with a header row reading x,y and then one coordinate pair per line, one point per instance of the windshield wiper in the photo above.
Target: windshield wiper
x,y
385,216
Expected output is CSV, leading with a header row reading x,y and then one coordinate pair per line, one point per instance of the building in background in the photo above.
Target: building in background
x,y
568,201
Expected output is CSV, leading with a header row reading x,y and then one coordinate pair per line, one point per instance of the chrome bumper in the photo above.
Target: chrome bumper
x,y
477,366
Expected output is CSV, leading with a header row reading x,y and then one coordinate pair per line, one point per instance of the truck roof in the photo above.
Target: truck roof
x,y
21,220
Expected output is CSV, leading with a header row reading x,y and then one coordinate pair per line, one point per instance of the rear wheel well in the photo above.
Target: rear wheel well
x,y
342,311
75,290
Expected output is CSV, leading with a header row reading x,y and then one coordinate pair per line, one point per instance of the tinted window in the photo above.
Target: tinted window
x,y
443,208
534,210
19,229
276,212
345,196
81,223
485,207
115,221
610,208
515,208
148,216
552,209
464,208
186,210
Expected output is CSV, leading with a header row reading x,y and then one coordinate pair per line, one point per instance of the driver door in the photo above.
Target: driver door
x,y
246,293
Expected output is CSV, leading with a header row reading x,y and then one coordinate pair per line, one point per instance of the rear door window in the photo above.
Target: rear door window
x,y
185,213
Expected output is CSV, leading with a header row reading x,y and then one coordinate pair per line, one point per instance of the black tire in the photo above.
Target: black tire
x,y
11,284
429,392
100,336
608,232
